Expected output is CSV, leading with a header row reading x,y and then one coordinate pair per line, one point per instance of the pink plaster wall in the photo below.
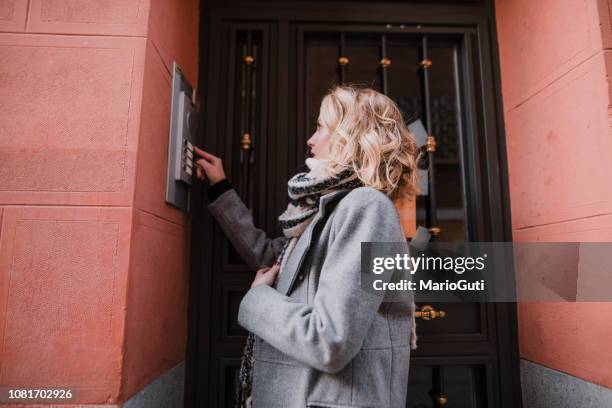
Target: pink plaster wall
x,y
556,93
156,327
63,287
93,263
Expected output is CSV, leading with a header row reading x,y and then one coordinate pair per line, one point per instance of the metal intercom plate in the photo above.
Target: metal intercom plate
x,y
181,137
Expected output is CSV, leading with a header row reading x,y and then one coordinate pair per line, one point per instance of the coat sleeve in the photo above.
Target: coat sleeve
x,y
252,243
329,333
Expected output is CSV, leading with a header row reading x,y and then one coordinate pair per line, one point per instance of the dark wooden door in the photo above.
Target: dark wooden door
x,y
264,67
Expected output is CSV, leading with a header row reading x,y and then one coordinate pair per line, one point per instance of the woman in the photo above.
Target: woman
x,y
317,338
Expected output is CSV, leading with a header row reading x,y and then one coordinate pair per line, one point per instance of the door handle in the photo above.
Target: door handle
x,y
427,312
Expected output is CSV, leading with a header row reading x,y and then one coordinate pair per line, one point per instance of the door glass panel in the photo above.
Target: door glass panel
x,y
447,165
363,51
461,385
404,85
321,64
419,386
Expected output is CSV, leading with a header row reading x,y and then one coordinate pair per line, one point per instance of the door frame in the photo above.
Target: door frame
x,y
481,128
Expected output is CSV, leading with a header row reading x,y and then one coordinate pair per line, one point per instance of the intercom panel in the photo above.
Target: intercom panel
x,y
181,138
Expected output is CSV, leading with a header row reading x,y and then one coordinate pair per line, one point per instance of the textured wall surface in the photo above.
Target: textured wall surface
x,y
156,324
545,388
165,392
93,263
70,118
63,290
556,92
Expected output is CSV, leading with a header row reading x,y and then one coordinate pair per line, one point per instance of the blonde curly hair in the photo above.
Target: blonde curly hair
x,y
370,136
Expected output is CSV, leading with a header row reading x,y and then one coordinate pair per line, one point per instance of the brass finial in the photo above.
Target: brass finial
x,y
434,230
442,399
385,62
426,63
431,143
246,141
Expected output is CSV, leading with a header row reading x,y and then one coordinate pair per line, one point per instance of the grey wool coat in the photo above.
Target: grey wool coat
x,y
322,341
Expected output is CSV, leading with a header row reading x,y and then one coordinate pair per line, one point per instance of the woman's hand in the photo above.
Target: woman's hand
x,y
266,276
208,166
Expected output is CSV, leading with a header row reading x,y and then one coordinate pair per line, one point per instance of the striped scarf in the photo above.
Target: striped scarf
x,y
305,190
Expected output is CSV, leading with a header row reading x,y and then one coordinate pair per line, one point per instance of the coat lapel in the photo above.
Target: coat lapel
x,y
297,255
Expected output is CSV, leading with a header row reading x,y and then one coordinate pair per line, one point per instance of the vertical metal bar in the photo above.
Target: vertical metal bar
x,y
246,117
249,69
342,59
243,74
440,399
243,105
252,122
384,63
253,98
425,77
432,219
